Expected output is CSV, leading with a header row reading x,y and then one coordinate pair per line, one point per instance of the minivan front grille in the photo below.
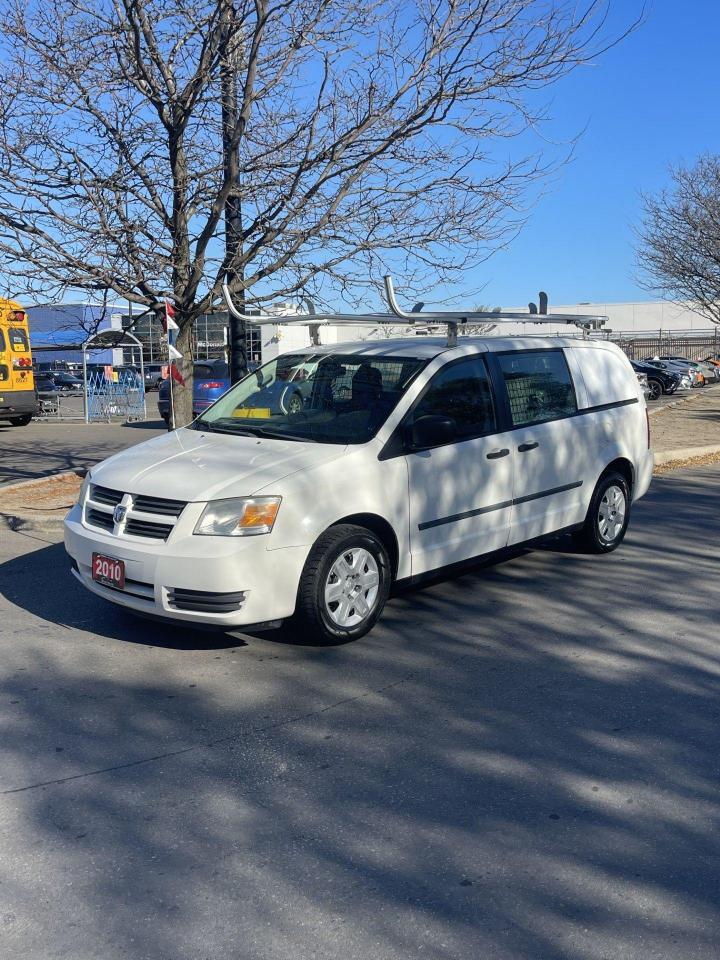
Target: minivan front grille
x,y
104,495
98,518
142,516
170,508
204,601
147,528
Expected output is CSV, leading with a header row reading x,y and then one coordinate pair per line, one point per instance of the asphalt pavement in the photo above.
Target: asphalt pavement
x,y
519,764
49,446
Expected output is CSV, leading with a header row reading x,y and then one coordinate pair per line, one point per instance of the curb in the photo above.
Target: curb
x,y
34,481
685,453
20,521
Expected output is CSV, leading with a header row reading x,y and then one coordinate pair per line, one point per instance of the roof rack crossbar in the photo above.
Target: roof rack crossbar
x,y
452,318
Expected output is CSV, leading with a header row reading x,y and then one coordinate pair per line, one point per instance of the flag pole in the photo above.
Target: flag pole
x,y
170,326
172,395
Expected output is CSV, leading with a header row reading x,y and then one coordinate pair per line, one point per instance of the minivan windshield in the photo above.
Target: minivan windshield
x,y
322,397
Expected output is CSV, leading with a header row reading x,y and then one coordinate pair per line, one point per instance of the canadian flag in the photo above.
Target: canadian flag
x,y
169,321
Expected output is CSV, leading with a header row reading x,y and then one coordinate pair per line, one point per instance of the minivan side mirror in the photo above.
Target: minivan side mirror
x,y
431,431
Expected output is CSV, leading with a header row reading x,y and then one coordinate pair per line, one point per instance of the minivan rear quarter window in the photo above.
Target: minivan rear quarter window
x,y
539,386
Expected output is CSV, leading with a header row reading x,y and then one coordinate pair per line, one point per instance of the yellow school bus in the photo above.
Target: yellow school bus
x,y
18,401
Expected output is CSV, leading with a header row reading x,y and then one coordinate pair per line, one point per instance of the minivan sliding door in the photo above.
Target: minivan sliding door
x,y
550,443
460,491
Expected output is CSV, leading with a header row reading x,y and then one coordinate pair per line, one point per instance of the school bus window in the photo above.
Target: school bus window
x,y
19,340
4,372
2,342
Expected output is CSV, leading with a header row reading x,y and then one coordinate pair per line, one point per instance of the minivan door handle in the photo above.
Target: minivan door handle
x,y
496,454
524,447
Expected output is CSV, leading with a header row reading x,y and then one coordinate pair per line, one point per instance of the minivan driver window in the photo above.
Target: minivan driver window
x,y
328,398
539,386
461,392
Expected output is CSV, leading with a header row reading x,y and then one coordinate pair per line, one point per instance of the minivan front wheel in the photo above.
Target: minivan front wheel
x,y
608,515
344,586
656,389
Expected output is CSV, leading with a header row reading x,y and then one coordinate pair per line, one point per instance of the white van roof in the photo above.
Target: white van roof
x,y
424,348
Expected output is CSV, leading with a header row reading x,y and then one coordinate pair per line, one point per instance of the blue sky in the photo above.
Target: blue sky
x,y
651,102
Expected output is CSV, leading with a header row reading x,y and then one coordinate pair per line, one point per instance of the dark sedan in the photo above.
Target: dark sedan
x,y
659,381
66,382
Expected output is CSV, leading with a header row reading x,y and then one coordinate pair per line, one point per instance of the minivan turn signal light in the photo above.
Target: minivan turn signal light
x,y
239,517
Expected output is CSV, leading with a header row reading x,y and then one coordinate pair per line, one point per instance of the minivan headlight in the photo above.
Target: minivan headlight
x,y
239,517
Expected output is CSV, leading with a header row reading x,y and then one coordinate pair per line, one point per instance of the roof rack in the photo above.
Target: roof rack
x,y
453,318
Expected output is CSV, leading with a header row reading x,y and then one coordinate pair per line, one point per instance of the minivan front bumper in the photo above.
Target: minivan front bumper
x,y
225,581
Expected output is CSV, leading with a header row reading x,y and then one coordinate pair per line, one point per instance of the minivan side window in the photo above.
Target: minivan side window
x,y
462,392
539,386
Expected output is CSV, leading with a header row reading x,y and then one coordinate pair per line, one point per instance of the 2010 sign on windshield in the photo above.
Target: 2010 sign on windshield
x,y
108,571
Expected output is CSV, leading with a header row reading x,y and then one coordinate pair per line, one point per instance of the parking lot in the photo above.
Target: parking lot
x,y
45,447
517,763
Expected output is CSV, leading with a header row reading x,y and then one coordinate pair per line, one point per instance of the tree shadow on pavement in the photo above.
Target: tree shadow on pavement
x,y
518,763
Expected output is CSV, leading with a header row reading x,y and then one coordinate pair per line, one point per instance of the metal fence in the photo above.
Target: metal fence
x,y
61,405
670,343
115,395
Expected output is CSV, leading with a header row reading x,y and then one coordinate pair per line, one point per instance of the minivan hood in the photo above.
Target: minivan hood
x,y
194,465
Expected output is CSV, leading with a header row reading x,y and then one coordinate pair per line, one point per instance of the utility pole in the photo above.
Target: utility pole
x,y
233,211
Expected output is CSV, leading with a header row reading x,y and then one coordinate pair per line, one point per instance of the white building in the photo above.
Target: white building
x,y
636,317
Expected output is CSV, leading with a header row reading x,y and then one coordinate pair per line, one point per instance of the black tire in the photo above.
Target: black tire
x,y
656,389
295,404
315,619
21,421
602,533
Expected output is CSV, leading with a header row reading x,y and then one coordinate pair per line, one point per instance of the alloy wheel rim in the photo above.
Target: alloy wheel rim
x,y
352,586
611,515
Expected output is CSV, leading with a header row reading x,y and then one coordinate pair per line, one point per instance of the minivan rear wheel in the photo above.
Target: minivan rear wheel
x,y
344,585
608,515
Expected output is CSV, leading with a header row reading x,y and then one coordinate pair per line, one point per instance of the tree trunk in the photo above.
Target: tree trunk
x,y
183,393
233,211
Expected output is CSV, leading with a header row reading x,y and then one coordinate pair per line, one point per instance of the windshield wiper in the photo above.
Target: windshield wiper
x,y
211,428
278,435
245,431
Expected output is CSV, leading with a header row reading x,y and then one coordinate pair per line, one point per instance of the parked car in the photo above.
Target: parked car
x,y
153,376
66,382
408,456
693,378
644,386
210,380
659,381
708,370
47,393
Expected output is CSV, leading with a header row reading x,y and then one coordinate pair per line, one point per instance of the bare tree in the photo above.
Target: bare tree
x,y
362,135
679,248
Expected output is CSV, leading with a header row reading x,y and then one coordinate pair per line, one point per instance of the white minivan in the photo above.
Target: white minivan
x,y
329,475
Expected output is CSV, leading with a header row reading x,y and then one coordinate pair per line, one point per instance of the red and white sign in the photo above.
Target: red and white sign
x,y
108,571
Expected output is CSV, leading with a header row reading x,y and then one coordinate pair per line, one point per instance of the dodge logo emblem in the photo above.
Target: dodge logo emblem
x,y
119,513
